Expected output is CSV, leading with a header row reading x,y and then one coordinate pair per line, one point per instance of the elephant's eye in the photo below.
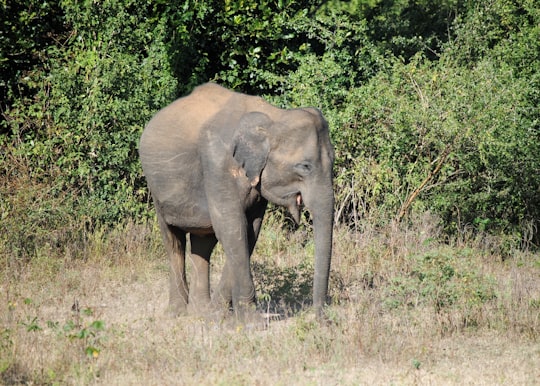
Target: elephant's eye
x,y
303,168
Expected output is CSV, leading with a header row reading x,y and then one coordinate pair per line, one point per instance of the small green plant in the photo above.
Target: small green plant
x,y
304,327
32,325
90,335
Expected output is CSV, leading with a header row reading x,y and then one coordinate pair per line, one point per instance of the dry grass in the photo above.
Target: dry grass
x,y
406,310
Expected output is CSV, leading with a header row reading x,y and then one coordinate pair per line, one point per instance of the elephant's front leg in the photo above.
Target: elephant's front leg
x,y
226,189
236,285
254,221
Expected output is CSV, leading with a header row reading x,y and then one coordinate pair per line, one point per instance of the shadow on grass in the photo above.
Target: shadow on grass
x,y
15,374
283,290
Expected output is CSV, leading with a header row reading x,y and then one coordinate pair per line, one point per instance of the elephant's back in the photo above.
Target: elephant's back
x,y
182,120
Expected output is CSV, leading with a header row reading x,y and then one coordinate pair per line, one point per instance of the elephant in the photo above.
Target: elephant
x,y
213,160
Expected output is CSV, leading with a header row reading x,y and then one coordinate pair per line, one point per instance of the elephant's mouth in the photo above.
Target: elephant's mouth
x,y
295,205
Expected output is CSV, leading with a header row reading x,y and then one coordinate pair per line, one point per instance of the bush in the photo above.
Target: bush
x,y
427,111
27,28
442,280
452,140
97,92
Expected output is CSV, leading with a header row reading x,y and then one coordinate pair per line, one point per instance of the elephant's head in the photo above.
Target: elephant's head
x,y
289,153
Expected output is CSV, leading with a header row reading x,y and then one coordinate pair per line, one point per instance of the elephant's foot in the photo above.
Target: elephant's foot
x,y
176,308
202,308
251,319
245,309
222,300
241,313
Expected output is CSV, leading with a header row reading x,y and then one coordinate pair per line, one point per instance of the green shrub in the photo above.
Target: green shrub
x,y
434,136
99,89
432,105
441,279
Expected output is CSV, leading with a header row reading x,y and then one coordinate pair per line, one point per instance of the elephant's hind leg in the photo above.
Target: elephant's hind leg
x,y
201,250
174,240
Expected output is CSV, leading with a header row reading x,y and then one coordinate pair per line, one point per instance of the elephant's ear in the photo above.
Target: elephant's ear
x,y
251,145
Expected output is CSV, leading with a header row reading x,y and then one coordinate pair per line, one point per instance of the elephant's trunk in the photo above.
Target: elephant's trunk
x,y
321,206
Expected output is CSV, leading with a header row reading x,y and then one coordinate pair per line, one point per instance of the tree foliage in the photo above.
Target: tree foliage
x,y
433,104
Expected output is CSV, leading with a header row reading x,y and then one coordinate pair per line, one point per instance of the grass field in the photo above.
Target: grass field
x,y
406,309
